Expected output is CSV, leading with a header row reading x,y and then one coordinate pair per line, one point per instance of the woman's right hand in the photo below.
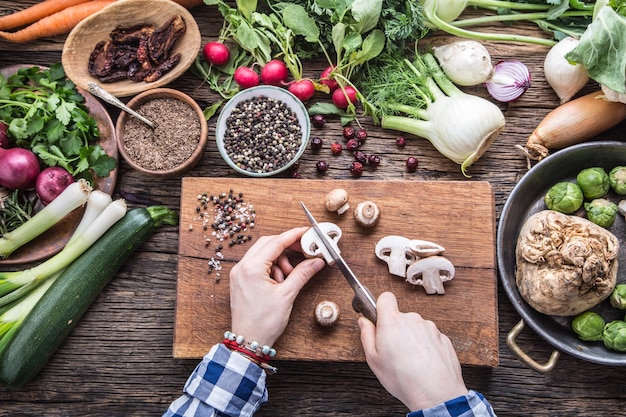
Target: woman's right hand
x,y
411,358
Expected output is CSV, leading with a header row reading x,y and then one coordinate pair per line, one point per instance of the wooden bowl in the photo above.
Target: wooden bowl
x,y
157,140
97,27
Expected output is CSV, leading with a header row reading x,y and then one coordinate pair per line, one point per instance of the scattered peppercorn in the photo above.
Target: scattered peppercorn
x,y
336,148
318,120
400,142
411,163
348,132
322,167
316,143
356,169
352,145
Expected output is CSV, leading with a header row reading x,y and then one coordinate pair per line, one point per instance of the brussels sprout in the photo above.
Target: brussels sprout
x,y
618,297
617,179
565,197
594,182
601,211
588,326
614,335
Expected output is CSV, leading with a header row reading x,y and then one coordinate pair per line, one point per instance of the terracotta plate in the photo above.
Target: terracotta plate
x,y
97,27
54,239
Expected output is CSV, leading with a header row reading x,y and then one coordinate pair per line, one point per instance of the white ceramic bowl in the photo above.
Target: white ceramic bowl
x,y
277,93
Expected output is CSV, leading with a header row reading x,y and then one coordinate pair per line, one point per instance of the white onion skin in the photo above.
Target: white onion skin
x,y
565,79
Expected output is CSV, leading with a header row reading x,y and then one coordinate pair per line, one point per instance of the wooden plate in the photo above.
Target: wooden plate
x,y
53,240
83,38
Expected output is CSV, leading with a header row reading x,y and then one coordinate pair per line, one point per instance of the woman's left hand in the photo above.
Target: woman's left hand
x,y
264,285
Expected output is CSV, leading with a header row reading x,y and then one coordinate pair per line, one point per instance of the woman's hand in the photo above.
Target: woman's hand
x,y
264,285
411,358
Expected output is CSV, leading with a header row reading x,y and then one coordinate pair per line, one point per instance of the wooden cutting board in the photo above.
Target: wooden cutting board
x,y
458,215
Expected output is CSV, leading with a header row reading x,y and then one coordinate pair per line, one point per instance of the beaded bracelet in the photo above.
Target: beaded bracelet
x,y
262,353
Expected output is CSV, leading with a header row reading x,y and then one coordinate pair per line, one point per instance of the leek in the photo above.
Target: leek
x,y
14,285
74,196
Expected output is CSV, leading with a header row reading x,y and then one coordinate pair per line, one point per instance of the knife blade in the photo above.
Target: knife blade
x,y
363,301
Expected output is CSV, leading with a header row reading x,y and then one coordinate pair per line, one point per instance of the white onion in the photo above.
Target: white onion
x,y
466,62
510,80
566,79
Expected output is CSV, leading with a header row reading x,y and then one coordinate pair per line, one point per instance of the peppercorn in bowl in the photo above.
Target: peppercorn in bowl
x,y
177,141
262,131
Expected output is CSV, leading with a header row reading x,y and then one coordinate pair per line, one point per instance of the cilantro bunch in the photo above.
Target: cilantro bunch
x,y
46,114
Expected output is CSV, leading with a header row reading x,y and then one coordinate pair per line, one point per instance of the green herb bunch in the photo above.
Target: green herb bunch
x,y
46,114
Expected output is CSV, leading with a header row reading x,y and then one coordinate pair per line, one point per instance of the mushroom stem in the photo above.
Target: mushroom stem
x,y
327,313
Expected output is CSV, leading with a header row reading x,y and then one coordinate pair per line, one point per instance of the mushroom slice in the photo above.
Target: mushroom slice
x,y
337,200
367,213
313,247
424,248
395,251
430,272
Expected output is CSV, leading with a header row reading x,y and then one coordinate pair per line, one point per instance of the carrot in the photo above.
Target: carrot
x,y
59,23
35,12
574,122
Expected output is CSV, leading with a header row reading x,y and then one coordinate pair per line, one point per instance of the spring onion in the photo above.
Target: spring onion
x,y
416,97
14,285
75,195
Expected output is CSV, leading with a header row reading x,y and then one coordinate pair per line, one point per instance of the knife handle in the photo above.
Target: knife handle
x,y
361,304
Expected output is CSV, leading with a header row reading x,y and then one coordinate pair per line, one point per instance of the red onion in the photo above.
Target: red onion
x,y
510,80
19,168
51,182
4,139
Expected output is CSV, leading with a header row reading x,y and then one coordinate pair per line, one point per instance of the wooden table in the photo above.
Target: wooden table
x,y
118,360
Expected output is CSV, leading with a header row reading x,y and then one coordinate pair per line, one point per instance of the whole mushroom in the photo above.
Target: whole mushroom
x,y
313,247
367,214
395,251
327,313
337,200
430,272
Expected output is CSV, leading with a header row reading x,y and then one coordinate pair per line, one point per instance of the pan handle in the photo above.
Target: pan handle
x,y
523,357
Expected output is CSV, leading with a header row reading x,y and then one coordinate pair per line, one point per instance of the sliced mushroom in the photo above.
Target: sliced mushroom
x,y
367,213
327,313
313,247
430,272
337,200
424,248
396,252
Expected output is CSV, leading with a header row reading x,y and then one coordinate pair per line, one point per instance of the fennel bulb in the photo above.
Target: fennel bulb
x,y
417,98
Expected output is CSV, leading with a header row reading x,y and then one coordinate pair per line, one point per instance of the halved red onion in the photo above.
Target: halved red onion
x,y
510,80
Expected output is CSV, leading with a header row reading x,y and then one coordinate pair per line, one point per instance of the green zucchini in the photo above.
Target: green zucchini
x,y
58,311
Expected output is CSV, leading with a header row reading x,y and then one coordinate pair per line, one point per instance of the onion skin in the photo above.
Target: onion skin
x,y
574,122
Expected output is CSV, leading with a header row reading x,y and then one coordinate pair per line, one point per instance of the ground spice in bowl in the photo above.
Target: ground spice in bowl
x,y
174,139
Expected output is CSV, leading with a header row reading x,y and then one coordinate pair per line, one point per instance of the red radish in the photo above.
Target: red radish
x,y
340,100
216,53
246,77
303,89
4,139
274,72
51,182
326,80
20,168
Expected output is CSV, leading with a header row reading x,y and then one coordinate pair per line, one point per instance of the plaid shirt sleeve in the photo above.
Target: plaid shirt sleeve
x,y
471,405
223,384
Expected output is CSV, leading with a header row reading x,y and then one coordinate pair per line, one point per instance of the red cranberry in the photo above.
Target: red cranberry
x,y
336,148
360,156
316,143
361,135
348,132
352,145
373,160
296,175
400,142
356,169
321,166
411,163
318,120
